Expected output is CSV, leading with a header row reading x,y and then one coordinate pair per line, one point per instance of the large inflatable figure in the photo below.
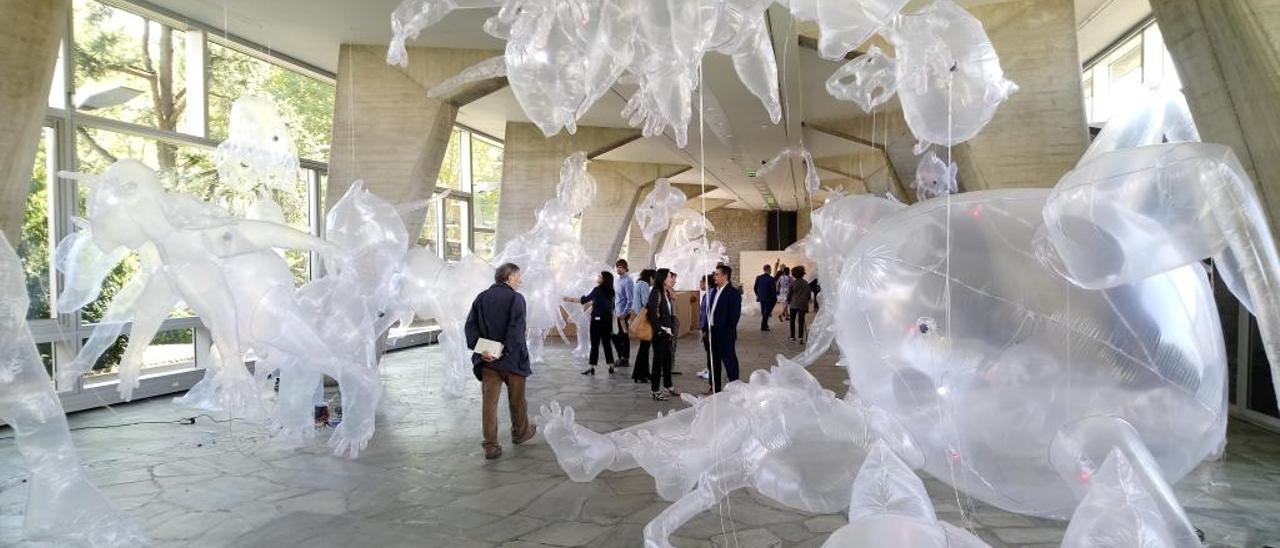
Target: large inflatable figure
x,y
62,504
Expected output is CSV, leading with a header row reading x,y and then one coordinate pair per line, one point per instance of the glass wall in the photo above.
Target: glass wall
x,y
1137,62
465,218
135,83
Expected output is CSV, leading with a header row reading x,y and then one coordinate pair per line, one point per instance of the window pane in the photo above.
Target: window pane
x,y
486,174
455,221
171,350
428,237
128,68
35,247
450,174
305,104
484,244
46,356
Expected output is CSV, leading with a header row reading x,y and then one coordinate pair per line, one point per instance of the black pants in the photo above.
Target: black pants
x,y
640,369
622,340
663,356
766,310
724,356
706,349
600,333
797,319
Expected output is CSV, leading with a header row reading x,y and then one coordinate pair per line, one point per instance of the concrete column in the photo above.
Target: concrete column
x,y
620,186
386,131
29,42
1228,56
531,169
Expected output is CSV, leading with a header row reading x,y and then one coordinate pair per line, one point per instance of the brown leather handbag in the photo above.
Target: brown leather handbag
x,y
639,327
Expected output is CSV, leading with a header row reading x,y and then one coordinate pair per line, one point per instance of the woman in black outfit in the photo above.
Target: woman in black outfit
x,y
663,319
601,299
644,288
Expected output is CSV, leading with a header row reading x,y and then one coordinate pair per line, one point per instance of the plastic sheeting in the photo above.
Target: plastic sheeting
x,y
689,251
258,149
658,208
62,504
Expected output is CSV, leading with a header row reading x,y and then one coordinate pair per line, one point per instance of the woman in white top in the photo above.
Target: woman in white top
x,y
784,289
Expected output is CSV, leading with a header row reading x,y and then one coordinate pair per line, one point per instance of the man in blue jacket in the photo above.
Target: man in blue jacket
x,y
726,309
767,295
497,314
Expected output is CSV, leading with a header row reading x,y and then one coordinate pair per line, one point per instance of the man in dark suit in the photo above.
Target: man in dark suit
x,y
726,308
497,314
767,295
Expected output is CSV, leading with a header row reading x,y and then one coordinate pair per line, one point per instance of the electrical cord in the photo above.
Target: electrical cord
x,y
185,421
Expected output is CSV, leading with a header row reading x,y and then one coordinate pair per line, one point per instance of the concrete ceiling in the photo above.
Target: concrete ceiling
x,y
312,30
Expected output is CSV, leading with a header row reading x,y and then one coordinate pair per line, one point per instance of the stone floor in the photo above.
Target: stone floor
x,y
423,482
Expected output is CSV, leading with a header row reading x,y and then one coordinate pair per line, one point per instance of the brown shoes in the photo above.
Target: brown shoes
x,y
491,453
528,435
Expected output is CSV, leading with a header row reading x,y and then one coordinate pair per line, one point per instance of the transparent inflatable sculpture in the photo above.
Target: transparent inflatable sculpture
x,y
836,229
227,272
934,177
846,25
62,504
689,251
444,291
1148,117
811,176
781,434
656,211
1016,381
1119,511
869,80
553,263
889,507
258,149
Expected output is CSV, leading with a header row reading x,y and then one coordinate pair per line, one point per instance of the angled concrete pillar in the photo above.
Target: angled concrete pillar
x,y
620,186
531,169
28,52
386,131
1228,56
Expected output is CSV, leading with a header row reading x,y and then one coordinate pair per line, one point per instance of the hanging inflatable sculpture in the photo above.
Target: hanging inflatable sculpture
x,y
935,177
62,504
553,263
654,214
869,80
258,149
444,291
689,251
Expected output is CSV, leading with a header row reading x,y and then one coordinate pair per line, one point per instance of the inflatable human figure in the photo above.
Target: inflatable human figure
x,y
781,434
890,506
444,291
553,263
655,213
224,269
62,504
689,251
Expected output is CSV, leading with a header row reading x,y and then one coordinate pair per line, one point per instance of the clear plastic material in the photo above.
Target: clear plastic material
x,y
493,67
1149,117
812,179
258,149
689,252
62,504
935,177
444,291
869,80
952,325
949,78
890,507
780,434
1118,511
412,16
658,208
553,263
846,25
84,265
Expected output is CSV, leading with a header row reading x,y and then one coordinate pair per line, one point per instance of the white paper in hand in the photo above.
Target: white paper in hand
x,y
494,348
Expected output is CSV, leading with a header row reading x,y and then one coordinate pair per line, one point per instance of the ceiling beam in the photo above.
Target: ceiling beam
x,y
888,160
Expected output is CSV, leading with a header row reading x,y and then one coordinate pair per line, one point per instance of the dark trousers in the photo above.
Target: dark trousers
x,y
766,310
622,340
640,369
706,348
724,356
600,333
797,322
491,383
663,357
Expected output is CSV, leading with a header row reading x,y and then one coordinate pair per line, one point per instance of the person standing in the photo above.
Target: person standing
x,y
662,317
498,314
640,373
726,309
601,300
815,289
624,291
705,283
784,289
767,295
798,302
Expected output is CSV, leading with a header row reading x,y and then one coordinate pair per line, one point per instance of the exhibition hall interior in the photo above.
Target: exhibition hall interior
x,y
640,273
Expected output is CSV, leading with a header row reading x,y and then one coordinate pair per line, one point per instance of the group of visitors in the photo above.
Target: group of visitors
x,y
790,289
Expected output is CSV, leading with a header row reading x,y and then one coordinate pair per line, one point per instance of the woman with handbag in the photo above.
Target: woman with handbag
x,y
662,318
601,299
640,372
